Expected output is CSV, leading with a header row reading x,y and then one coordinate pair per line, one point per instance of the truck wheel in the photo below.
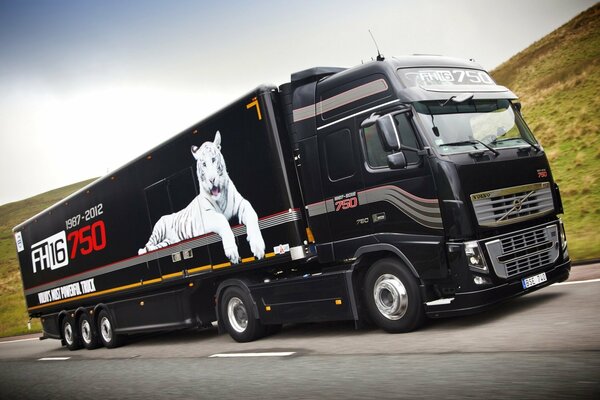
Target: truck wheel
x,y
70,334
107,335
88,332
239,317
392,297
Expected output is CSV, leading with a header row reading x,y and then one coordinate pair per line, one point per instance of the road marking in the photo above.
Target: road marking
x,y
576,282
18,340
273,354
53,358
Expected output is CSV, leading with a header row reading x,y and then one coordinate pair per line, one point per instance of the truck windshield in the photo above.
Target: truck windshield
x,y
472,125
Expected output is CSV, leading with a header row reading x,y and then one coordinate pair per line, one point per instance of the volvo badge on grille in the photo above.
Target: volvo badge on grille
x,y
517,204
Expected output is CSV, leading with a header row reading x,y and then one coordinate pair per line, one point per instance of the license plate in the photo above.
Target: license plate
x,y
534,280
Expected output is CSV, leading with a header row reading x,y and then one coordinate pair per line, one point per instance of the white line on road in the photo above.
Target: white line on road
x,y
573,283
274,354
18,340
54,358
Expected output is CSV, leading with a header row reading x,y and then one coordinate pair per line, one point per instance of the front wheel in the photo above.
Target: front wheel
x,y
237,312
393,298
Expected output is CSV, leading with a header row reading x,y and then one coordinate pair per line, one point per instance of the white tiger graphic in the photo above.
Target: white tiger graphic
x,y
211,210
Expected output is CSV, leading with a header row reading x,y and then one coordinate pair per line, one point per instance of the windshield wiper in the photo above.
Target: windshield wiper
x,y
523,138
535,146
472,142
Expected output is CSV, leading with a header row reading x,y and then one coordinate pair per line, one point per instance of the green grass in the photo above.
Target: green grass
x,y
13,313
558,80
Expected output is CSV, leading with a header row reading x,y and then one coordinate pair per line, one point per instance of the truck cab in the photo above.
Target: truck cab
x,y
425,160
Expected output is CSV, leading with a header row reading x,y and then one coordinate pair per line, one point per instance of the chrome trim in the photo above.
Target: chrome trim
x,y
358,113
440,302
524,251
514,204
510,190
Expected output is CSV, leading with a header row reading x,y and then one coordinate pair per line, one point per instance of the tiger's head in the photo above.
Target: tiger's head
x,y
210,166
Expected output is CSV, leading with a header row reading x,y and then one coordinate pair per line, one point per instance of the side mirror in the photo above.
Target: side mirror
x,y
518,106
386,128
369,121
396,160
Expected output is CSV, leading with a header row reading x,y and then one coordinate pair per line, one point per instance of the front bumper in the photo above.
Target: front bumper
x,y
480,300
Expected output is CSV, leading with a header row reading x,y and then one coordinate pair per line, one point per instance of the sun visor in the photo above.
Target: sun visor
x,y
442,92
465,88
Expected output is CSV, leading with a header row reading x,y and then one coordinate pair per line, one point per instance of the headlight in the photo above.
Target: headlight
x,y
563,235
475,258
563,239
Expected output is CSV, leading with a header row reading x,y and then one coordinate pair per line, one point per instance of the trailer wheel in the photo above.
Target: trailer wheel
x,y
238,316
88,332
70,334
393,298
107,335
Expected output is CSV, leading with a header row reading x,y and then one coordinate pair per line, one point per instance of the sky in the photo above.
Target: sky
x,y
87,86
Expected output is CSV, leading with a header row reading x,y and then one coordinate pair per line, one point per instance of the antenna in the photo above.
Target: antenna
x,y
379,56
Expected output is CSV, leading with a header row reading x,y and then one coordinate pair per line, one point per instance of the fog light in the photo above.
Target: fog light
x,y
480,280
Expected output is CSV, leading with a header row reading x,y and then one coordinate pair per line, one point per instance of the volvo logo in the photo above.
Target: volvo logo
x,y
517,204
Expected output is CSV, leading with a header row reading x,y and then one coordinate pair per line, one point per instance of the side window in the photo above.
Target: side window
x,y
376,155
408,138
340,157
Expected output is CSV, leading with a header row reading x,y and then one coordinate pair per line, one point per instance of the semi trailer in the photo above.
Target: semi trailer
x,y
393,191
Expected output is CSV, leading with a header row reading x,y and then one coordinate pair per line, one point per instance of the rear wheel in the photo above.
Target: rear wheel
x,y
70,334
393,298
238,316
88,332
107,335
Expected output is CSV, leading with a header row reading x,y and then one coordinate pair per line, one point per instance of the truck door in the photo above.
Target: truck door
x,y
404,208
342,180
401,200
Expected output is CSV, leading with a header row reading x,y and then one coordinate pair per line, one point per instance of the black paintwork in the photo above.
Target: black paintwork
x,y
279,164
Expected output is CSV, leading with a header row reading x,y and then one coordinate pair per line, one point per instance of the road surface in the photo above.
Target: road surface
x,y
544,345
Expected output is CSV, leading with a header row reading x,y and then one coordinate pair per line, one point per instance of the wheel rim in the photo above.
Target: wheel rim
x,y
237,315
68,333
106,329
86,331
390,297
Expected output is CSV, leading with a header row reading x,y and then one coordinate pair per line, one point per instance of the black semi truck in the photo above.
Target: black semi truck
x,y
393,191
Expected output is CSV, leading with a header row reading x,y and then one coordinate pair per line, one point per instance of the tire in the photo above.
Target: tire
x,y
106,332
88,332
393,297
70,334
239,319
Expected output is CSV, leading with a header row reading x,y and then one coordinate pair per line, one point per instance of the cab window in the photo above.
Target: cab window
x,y
376,155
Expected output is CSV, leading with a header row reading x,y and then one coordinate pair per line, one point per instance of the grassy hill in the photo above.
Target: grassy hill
x,y
13,314
558,80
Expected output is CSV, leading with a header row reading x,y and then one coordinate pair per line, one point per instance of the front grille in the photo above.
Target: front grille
x,y
515,254
513,204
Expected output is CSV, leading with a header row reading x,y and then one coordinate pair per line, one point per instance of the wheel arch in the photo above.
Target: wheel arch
x,y
366,255
99,307
239,283
61,317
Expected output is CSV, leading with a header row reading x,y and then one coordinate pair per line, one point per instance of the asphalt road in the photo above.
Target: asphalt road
x,y
544,345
